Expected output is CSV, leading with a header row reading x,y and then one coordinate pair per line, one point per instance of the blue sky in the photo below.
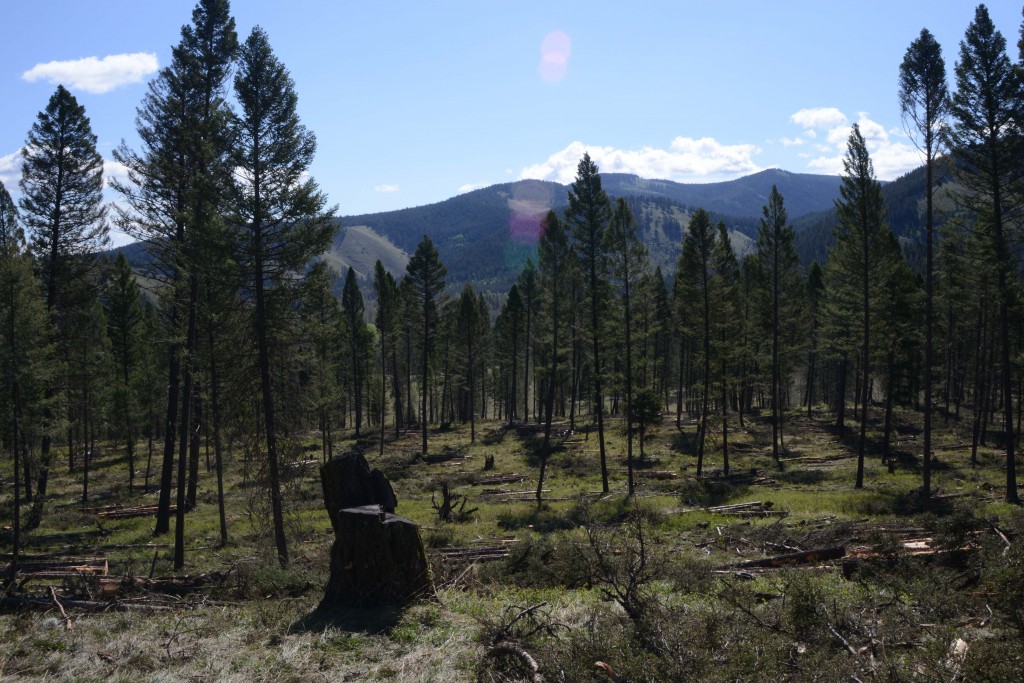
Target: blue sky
x,y
413,102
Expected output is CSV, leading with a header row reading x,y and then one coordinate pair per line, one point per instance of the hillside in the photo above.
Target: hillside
x,y
904,201
485,236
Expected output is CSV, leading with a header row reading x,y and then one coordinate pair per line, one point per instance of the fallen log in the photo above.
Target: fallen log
x,y
805,557
130,512
497,479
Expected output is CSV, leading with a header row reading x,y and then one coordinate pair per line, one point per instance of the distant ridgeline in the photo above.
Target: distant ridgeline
x,y
485,236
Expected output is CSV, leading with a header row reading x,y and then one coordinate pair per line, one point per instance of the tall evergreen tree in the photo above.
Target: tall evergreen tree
x,y
861,237
554,258
987,110
727,323
696,269
62,207
26,357
468,331
777,253
425,274
588,215
627,260
174,200
281,215
353,310
387,321
124,318
923,97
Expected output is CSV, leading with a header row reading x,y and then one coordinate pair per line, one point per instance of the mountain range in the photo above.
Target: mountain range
x,y
485,236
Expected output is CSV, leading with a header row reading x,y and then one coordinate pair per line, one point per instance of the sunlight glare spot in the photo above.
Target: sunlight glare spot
x,y
555,51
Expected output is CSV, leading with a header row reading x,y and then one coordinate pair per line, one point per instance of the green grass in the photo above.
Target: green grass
x,y
261,625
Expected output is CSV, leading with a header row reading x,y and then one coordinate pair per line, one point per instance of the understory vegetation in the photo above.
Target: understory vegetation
x,y
649,585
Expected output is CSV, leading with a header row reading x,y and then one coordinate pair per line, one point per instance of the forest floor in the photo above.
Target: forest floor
x,y
661,586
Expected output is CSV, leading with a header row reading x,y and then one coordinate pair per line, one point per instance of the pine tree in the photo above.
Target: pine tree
x,y
425,274
61,205
923,97
986,111
726,326
696,269
777,254
174,201
468,331
352,311
387,321
627,261
588,215
26,358
124,319
861,238
281,216
554,258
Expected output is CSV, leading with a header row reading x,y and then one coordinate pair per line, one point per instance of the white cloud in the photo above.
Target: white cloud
x,y
469,187
791,142
686,159
891,154
10,169
114,169
819,117
385,188
95,75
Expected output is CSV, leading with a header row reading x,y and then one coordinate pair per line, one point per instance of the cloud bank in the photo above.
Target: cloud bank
x,y
686,160
891,152
94,75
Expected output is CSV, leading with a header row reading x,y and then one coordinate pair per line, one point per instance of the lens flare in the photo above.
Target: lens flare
x,y
555,51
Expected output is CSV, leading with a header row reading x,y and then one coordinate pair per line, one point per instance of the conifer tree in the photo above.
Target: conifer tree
x,y
124,320
554,259
26,359
627,261
174,200
281,216
588,215
62,208
987,110
857,257
777,254
468,331
695,277
425,274
726,325
353,310
387,322
923,97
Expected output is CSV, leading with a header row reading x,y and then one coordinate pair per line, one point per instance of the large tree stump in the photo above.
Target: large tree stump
x,y
377,557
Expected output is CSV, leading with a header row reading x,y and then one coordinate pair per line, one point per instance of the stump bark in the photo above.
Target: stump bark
x,y
377,557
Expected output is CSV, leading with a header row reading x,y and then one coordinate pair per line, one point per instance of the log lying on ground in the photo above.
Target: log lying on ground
x,y
805,557
117,512
496,479
58,566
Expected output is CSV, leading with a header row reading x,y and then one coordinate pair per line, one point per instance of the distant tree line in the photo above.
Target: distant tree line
x,y
235,340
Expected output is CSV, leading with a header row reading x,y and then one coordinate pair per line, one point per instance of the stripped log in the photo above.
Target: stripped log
x,y
805,557
118,512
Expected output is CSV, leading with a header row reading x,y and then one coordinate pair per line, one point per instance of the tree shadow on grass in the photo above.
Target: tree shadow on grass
x,y
366,620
